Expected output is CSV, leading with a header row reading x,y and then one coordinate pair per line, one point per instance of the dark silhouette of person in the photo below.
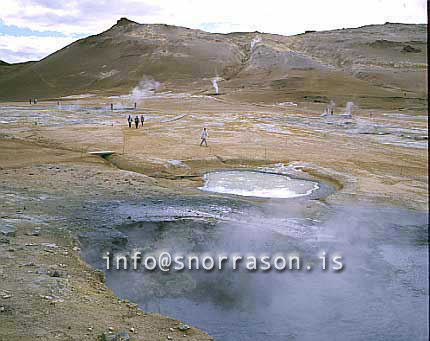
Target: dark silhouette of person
x,y
130,120
142,119
136,121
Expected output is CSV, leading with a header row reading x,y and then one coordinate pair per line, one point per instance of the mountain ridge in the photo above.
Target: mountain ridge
x,y
116,60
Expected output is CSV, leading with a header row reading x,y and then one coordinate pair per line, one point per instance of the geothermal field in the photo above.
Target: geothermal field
x,y
317,147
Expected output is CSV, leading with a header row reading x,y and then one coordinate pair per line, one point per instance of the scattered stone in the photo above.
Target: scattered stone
x,y
132,330
171,329
4,240
50,245
183,327
35,232
121,336
132,305
55,273
8,230
169,337
410,49
75,248
4,309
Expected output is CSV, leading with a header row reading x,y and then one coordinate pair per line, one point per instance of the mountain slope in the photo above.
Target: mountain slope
x,y
384,61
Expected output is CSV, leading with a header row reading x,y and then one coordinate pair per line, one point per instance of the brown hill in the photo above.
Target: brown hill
x,y
377,65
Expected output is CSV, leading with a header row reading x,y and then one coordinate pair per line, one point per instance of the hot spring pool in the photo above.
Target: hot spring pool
x,y
257,184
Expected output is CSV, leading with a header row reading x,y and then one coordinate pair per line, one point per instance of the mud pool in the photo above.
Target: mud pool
x,y
257,184
382,292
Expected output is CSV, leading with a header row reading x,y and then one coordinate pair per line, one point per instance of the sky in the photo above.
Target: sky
x,y
33,29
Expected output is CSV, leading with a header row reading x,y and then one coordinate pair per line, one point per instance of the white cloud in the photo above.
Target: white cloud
x,y
274,16
15,49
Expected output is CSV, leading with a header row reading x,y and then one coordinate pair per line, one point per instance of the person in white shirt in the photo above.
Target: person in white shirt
x,y
204,137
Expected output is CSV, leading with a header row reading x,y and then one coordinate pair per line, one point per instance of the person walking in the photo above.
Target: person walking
x,y
142,119
129,120
204,137
136,121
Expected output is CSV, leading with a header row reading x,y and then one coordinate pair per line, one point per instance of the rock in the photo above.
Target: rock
x,y
55,273
100,275
171,329
410,49
4,309
4,240
50,245
183,327
132,330
169,337
8,231
35,232
121,336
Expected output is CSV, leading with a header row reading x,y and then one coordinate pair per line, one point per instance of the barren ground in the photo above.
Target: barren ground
x,y
50,182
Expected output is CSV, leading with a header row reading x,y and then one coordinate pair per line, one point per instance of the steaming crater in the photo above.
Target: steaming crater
x,y
257,184
377,243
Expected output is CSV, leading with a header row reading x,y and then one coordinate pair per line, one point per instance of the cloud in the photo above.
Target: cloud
x,y
71,17
77,18
275,16
15,49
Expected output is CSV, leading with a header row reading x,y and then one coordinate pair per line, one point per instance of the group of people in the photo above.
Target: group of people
x,y
204,136
136,121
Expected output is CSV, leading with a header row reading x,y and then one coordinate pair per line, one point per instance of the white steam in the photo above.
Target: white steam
x,y
215,84
254,41
145,88
348,109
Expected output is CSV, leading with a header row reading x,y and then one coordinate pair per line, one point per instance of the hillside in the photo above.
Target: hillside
x,y
8,68
377,65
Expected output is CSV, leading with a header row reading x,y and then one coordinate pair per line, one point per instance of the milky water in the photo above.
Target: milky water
x,y
257,184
